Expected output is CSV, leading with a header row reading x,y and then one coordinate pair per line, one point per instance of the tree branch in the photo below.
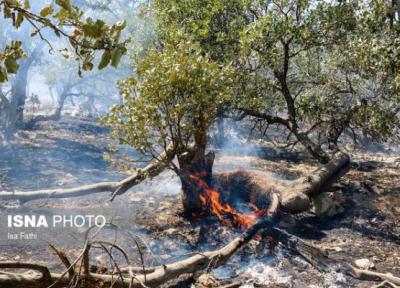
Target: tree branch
x,y
154,168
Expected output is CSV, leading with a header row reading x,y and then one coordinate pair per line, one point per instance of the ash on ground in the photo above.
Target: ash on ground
x,y
149,220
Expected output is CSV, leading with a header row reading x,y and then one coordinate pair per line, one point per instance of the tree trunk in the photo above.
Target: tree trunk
x,y
19,91
7,118
314,149
61,101
194,167
19,87
56,116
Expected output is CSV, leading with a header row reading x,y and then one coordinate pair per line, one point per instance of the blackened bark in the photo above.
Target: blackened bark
x,y
192,170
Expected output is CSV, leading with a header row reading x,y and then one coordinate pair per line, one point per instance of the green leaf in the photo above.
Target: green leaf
x,y
46,11
27,5
62,14
105,59
3,76
116,55
93,30
87,66
64,4
11,65
19,20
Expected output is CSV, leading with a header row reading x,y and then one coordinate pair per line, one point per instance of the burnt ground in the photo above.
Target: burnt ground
x,y
70,152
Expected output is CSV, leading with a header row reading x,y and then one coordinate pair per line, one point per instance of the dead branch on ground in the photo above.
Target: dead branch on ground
x,y
161,274
372,275
154,168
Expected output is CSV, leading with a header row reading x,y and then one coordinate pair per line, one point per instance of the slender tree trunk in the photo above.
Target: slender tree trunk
x,y
5,131
7,117
315,150
220,137
20,86
61,101
56,116
19,91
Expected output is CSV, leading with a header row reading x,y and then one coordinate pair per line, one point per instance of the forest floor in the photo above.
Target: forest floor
x,y
70,152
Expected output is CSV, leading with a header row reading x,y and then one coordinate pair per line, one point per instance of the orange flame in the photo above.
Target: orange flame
x,y
211,199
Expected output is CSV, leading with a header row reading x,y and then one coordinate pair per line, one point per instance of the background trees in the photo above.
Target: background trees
x,y
307,53
87,36
51,24
320,69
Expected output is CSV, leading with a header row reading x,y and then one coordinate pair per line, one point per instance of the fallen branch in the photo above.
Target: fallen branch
x,y
156,276
164,273
64,260
385,284
232,285
46,276
372,275
154,168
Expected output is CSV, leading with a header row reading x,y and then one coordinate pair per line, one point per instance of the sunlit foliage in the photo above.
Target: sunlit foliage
x,y
66,20
173,97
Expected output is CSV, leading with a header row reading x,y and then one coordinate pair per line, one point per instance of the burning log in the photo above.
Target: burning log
x,y
251,185
259,188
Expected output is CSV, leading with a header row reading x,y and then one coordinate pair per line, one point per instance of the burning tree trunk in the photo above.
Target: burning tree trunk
x,y
194,162
201,190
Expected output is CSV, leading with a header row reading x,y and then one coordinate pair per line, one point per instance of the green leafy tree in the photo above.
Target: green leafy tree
x,y
84,37
214,24
173,100
299,70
